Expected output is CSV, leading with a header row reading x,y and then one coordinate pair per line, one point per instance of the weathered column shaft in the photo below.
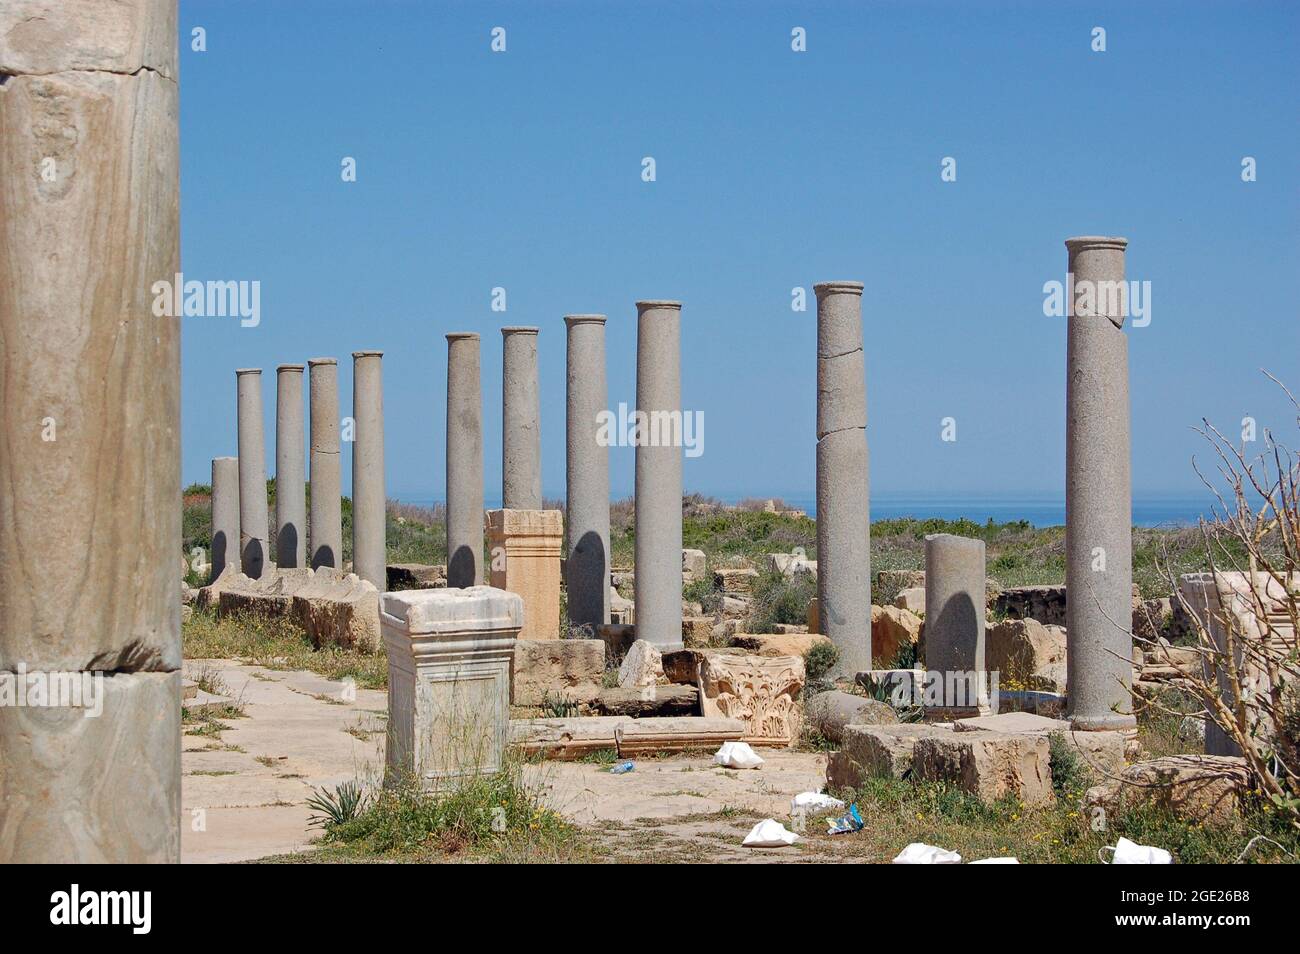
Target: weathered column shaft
x,y
225,514
464,462
659,473
843,495
90,472
290,481
369,550
1098,503
586,475
253,510
326,528
954,624
521,440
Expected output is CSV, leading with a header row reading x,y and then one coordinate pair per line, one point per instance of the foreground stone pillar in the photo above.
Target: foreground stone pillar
x,y
90,472
254,516
586,499
290,481
954,628
449,654
843,508
225,514
521,439
326,481
464,462
659,474
1098,503
369,541
524,548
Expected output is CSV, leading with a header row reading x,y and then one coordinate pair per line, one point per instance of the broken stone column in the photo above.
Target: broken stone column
x,y
326,482
253,510
290,481
369,540
449,655
90,473
464,462
659,474
586,502
521,441
225,513
954,628
524,554
1098,518
843,511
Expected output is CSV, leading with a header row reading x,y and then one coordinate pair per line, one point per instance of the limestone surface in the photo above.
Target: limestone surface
x,y
567,670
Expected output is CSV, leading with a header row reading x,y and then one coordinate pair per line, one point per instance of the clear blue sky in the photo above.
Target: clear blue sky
x,y
775,169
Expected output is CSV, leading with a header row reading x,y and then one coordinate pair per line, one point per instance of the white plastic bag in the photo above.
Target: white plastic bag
x,y
811,802
997,861
769,833
1131,853
920,854
737,755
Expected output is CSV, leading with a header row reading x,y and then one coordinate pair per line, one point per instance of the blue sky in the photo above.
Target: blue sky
x,y
775,169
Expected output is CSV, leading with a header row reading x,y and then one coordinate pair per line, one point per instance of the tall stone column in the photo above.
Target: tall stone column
x,y
464,461
1098,502
326,483
369,541
225,514
954,625
586,475
90,472
659,474
290,481
253,509
521,440
843,496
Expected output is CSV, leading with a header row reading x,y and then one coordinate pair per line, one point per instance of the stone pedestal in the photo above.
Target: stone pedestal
x,y
659,474
954,626
253,511
464,461
225,514
449,656
521,436
326,480
1098,504
843,508
524,553
369,539
290,481
586,476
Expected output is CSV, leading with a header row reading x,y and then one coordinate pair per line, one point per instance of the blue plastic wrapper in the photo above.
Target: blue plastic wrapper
x,y
851,821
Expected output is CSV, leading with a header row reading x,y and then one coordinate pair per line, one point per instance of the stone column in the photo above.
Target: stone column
x,y
1098,502
586,475
253,510
290,481
659,474
954,625
464,461
369,541
521,440
225,514
326,484
90,473
843,507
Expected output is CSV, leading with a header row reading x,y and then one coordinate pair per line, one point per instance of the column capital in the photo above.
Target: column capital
x,y
830,288
239,372
651,304
572,320
1083,242
290,367
463,335
325,361
367,354
519,330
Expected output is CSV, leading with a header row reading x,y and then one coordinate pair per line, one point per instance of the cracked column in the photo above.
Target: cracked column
x,y
369,550
843,509
464,461
521,441
253,509
954,624
90,474
326,528
290,481
658,577
1098,518
225,514
586,475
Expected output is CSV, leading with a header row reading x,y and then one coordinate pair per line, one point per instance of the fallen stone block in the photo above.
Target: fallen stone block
x,y
889,583
573,738
988,765
566,670
270,596
735,581
891,629
415,576
1197,788
1046,604
1012,723
829,712
339,610
911,599
651,701
642,666
779,644
697,631
694,565
1022,650
876,751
